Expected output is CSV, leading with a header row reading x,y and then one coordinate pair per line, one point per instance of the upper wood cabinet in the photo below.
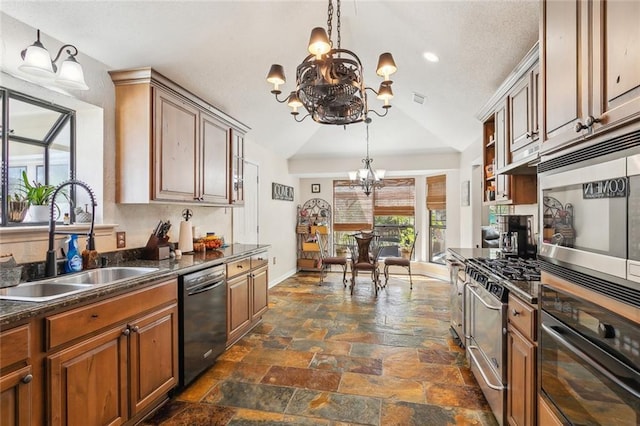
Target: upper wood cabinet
x,y
171,145
523,112
590,69
237,167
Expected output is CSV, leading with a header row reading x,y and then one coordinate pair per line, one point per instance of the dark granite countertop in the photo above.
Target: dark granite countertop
x,y
525,290
14,311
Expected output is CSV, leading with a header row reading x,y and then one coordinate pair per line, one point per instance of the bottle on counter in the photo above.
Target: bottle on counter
x,y
74,261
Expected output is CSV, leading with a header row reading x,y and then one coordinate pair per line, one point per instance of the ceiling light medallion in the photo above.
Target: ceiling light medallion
x,y
329,82
36,61
367,178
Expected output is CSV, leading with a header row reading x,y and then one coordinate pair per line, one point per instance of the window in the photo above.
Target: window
x,y
390,210
437,206
39,141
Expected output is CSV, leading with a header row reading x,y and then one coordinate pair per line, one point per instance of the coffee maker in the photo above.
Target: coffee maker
x,y
516,235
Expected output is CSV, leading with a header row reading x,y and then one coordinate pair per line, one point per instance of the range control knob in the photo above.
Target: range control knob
x,y
606,330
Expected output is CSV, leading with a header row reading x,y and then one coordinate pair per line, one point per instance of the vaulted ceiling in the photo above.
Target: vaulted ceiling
x,y
222,51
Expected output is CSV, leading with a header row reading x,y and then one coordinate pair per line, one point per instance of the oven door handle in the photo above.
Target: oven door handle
x,y
608,374
488,306
482,373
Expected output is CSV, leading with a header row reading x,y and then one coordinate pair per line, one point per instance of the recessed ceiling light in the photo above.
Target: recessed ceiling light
x,y
431,57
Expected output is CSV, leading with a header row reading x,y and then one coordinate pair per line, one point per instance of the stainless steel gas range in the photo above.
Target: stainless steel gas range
x,y
486,293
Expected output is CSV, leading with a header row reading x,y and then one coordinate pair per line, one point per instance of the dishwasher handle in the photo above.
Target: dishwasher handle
x,y
205,287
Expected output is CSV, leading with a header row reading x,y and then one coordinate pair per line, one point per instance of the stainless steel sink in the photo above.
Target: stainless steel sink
x,y
64,285
103,275
41,291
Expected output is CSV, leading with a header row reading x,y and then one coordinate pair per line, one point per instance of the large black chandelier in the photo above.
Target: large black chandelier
x,y
329,82
367,178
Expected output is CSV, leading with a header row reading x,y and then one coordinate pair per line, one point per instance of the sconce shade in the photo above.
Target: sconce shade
x,y
71,75
386,66
319,42
276,76
385,93
294,101
36,61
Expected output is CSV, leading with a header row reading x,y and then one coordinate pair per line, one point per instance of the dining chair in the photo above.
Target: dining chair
x,y
365,249
326,261
400,261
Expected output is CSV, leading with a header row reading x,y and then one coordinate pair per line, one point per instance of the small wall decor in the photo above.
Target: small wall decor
x,y
315,188
464,193
281,192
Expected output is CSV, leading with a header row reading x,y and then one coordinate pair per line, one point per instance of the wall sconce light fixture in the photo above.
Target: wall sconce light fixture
x,y
36,61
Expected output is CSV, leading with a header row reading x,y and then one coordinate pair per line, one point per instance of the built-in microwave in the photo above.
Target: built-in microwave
x,y
590,215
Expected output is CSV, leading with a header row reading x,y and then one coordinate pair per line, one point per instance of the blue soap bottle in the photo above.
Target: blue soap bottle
x,y
74,260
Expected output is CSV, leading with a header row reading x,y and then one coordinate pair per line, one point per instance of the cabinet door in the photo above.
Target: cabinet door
x,y
238,305
260,282
237,167
175,147
616,63
520,114
88,381
521,390
564,51
502,153
15,397
214,163
153,357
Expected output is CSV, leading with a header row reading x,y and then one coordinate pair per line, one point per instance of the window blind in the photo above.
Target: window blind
x,y
437,192
352,209
396,198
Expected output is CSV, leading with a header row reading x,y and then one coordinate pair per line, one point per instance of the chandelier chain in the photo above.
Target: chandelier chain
x,y
338,23
330,19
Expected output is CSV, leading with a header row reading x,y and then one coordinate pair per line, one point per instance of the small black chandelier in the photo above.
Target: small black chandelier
x,y
367,178
329,82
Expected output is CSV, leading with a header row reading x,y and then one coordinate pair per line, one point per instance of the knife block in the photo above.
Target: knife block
x,y
157,248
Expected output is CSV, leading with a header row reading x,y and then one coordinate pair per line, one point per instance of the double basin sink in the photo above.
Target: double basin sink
x,y
64,285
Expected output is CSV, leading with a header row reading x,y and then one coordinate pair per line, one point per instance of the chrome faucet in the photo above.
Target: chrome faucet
x,y
51,268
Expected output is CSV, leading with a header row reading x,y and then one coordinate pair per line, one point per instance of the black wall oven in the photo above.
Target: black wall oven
x,y
589,361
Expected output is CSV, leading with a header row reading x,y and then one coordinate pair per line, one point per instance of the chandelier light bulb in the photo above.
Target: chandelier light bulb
x,y
319,43
276,77
386,66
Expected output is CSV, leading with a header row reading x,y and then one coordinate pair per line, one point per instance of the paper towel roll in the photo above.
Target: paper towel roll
x,y
185,243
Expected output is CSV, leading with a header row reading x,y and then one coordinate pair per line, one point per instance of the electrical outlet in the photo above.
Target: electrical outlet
x,y
274,260
121,239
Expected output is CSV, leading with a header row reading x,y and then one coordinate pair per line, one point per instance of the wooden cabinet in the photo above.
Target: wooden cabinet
x,y
176,143
523,114
237,167
510,129
247,294
522,392
16,378
590,68
118,367
171,145
500,188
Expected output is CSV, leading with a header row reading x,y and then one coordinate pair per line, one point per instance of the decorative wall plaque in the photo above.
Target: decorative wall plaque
x,y
281,192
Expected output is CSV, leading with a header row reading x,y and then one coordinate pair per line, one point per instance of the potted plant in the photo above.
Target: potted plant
x,y
17,208
39,197
407,237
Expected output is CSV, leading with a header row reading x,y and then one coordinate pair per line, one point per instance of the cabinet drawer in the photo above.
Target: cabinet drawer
x,y
67,326
14,345
238,267
523,317
258,260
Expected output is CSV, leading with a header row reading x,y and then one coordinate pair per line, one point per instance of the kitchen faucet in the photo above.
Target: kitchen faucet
x,y
51,268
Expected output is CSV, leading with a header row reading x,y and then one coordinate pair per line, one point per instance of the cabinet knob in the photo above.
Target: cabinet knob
x,y
27,379
126,331
515,313
135,328
580,127
591,120
531,135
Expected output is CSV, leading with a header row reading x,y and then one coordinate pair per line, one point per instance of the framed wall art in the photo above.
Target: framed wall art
x,y
315,188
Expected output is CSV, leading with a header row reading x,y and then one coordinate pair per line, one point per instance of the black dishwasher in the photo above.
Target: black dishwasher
x,y
203,320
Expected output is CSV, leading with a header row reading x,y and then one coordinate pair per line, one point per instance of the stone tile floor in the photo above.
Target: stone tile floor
x,y
324,357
